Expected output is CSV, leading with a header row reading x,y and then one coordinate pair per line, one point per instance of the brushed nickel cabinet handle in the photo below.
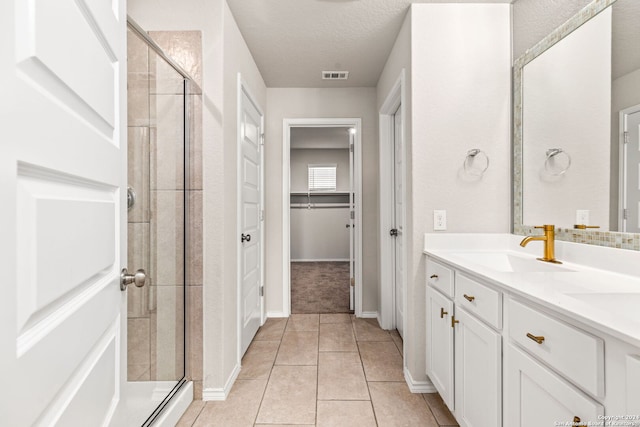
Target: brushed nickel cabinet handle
x,y
442,313
539,339
469,297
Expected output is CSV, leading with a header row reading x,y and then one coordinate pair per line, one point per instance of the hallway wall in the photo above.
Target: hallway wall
x,y
320,103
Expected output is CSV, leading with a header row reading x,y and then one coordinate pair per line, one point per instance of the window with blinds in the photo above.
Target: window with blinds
x,y
322,177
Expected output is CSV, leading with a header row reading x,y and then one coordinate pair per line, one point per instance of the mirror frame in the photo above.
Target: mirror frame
x,y
600,238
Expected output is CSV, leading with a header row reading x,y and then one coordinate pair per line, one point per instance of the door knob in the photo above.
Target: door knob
x,y
245,238
393,232
348,225
137,279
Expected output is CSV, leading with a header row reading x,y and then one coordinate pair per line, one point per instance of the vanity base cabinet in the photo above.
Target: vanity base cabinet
x,y
440,344
534,396
478,372
633,384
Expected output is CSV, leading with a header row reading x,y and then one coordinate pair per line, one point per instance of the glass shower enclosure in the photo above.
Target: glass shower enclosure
x,y
158,146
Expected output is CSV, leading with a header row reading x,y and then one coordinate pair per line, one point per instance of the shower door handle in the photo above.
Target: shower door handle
x,y
138,279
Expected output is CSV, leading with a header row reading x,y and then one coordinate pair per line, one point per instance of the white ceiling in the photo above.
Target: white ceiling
x,y
293,41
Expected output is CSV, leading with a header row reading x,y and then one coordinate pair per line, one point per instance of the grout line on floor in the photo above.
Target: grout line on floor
x,y
273,363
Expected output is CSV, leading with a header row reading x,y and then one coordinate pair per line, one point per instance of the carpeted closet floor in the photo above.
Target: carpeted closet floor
x,y
320,287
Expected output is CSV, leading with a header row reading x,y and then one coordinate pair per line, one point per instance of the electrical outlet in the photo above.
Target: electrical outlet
x,y
582,216
439,220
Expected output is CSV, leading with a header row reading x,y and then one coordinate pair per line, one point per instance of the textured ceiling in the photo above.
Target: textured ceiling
x,y
293,41
626,37
534,19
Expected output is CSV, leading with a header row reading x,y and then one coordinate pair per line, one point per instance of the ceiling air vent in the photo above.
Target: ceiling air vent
x,y
335,75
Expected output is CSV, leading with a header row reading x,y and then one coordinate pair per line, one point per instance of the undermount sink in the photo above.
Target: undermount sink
x,y
510,262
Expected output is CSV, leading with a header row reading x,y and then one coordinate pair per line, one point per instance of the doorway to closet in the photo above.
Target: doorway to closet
x,y
323,214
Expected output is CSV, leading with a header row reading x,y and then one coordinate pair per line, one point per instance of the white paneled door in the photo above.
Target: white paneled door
x,y
398,192
250,220
62,187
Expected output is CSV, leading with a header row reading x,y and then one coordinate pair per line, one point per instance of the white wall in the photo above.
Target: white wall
x,y
319,234
320,103
224,55
461,99
566,104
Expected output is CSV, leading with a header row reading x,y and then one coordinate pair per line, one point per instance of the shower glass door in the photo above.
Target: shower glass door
x,y
156,230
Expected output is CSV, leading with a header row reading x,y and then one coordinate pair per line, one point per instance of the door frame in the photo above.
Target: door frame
x,y
622,165
243,87
396,98
287,124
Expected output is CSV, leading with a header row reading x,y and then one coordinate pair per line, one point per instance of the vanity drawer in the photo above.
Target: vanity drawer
x,y
484,302
574,353
440,277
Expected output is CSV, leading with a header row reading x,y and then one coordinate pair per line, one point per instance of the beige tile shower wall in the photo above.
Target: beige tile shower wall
x,y
185,47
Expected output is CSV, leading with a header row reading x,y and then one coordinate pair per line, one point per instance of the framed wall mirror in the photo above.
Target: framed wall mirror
x,y
576,128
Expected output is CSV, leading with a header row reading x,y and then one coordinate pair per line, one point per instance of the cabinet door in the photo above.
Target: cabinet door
x,y
440,344
534,396
478,372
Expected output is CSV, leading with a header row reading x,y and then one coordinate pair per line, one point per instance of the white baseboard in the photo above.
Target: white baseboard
x,y
221,393
322,260
369,314
276,314
418,386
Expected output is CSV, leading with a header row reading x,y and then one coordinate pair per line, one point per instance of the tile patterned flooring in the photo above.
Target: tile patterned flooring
x,y
322,370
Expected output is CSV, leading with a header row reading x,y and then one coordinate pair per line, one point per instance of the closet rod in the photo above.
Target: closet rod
x,y
319,205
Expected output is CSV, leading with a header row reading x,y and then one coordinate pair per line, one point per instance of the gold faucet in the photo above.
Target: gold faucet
x,y
549,243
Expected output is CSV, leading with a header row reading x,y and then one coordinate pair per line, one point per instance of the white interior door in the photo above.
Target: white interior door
x,y
63,188
250,221
352,232
632,172
398,196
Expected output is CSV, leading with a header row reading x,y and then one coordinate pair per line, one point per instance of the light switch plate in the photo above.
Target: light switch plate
x,y
439,220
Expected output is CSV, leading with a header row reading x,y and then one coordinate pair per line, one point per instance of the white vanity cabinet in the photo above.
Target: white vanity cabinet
x,y
478,372
550,366
464,357
511,350
440,344
535,396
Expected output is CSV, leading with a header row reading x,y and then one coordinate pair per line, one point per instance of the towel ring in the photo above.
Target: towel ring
x,y
552,155
472,155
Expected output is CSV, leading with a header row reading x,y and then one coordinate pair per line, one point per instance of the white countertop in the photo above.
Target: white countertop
x,y
597,286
